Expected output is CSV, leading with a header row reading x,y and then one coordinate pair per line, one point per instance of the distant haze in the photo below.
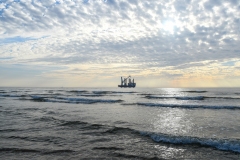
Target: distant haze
x,y
92,43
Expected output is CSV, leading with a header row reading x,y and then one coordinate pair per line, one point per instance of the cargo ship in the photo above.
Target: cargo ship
x,y
127,82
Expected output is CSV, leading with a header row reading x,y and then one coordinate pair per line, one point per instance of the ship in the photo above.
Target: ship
x,y
127,82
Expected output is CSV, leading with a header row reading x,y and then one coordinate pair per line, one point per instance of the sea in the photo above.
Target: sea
x,y
119,123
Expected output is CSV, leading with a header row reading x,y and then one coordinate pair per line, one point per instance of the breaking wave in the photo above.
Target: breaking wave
x,y
188,97
89,101
232,145
71,100
190,106
178,98
221,144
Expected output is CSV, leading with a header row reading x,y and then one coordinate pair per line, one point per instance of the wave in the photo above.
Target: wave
x,y
60,90
111,92
223,97
90,101
49,139
102,92
15,91
31,109
107,148
221,144
106,129
3,92
73,123
91,95
232,145
18,150
10,130
59,151
195,91
130,156
71,100
49,94
190,106
77,91
83,124
145,94
157,97
120,130
12,95
46,119
123,92
34,150
51,112
86,126
38,98
178,98
191,98
188,97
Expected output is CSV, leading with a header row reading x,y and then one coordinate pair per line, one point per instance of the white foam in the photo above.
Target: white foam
x,y
190,106
87,101
221,144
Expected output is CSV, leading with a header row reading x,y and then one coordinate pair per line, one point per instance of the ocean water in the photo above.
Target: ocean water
x,y
119,123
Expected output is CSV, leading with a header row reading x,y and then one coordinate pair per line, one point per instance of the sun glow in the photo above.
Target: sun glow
x,y
168,26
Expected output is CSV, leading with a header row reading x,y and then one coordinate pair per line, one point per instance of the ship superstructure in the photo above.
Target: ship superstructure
x,y
127,82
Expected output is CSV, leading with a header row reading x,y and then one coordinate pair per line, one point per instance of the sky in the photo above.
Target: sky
x,y
92,43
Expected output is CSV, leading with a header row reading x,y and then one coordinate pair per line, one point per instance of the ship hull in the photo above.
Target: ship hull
x,y
127,86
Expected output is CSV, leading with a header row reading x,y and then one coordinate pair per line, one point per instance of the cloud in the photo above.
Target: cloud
x,y
150,37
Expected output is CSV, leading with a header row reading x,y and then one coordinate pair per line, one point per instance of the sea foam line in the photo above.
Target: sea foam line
x,y
175,97
188,97
190,106
221,144
73,100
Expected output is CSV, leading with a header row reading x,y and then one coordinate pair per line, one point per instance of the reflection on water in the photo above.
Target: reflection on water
x,y
172,91
169,152
172,121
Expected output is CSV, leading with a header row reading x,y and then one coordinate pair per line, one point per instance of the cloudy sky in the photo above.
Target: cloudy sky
x,y
92,43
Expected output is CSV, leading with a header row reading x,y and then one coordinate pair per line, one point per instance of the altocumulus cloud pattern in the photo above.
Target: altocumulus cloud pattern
x,y
170,38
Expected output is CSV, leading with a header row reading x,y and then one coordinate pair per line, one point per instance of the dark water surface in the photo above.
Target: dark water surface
x,y
115,123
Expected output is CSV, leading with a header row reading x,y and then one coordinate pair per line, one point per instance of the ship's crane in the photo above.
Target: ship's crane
x,y
125,84
124,81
